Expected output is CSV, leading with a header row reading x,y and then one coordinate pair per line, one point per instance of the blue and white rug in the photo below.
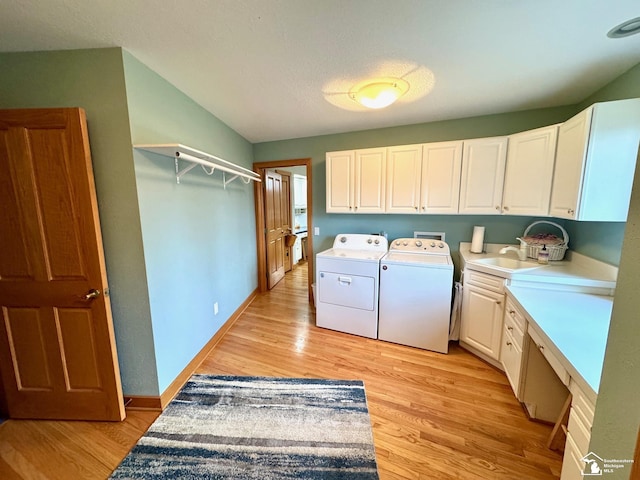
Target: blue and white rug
x,y
222,427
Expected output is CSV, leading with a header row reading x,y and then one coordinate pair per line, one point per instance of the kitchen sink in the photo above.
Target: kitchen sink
x,y
502,266
508,263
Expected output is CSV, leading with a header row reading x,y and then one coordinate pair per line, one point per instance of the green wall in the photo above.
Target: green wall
x,y
94,80
617,418
198,237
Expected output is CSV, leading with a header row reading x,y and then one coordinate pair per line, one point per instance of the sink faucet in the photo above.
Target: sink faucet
x,y
522,251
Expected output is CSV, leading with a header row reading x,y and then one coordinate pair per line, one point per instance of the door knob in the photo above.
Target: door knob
x,y
91,294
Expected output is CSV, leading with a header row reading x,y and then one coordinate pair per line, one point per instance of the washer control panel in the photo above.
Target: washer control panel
x,y
418,245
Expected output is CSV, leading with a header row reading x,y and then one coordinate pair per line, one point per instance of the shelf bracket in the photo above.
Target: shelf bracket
x,y
180,173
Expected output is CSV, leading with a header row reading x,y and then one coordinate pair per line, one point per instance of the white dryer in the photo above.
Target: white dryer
x,y
347,284
416,283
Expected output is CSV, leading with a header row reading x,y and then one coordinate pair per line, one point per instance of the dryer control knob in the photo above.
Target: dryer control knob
x,y
433,244
418,243
368,240
397,242
441,245
405,243
384,267
343,239
376,241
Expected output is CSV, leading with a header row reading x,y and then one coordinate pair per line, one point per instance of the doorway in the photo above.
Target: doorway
x,y
260,208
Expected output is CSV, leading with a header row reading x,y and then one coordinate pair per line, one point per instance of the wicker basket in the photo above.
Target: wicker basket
x,y
556,252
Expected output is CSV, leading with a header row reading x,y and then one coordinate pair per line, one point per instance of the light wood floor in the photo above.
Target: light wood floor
x,y
434,416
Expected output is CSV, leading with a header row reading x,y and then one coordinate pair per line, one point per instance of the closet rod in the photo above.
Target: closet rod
x,y
236,170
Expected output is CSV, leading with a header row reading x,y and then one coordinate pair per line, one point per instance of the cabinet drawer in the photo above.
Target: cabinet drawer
x,y
511,358
549,356
580,432
515,315
512,328
488,282
582,405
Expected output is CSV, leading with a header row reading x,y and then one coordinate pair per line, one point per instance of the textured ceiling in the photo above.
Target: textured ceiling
x,y
278,69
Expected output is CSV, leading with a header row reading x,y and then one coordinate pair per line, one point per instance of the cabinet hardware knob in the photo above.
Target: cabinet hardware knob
x,y
416,209
424,208
540,347
570,211
510,329
497,207
509,344
498,302
506,209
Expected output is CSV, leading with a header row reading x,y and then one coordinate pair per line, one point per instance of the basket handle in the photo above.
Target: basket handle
x,y
565,235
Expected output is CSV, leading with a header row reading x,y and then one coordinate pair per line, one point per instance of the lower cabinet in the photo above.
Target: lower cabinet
x,y
482,312
578,436
513,339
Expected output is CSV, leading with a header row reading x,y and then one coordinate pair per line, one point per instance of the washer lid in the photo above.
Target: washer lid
x,y
348,254
418,259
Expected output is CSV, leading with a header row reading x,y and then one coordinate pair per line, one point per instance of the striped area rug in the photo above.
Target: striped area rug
x,y
222,427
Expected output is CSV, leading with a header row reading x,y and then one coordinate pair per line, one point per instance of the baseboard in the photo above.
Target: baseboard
x,y
186,373
138,402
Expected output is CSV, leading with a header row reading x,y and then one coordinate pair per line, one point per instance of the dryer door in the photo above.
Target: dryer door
x,y
347,290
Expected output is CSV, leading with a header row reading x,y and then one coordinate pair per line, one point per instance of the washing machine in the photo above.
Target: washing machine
x,y
416,283
347,284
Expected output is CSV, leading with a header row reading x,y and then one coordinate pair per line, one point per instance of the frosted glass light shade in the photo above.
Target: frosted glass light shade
x,y
379,93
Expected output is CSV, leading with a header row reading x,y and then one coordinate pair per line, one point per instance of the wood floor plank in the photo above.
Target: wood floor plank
x,y
433,416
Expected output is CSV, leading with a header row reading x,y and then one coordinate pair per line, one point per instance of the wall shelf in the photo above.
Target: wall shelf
x,y
209,163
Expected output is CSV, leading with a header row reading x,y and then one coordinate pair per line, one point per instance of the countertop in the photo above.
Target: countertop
x,y
584,273
569,302
576,324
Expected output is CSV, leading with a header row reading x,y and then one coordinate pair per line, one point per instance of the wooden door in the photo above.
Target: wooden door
x,y
287,221
273,224
57,347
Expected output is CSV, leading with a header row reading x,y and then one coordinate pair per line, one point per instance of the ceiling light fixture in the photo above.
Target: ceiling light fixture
x,y
379,93
630,27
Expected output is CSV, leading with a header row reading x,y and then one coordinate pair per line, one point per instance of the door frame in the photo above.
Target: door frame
x,y
261,245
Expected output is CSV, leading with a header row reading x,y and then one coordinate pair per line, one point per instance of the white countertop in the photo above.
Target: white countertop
x,y
569,302
576,324
575,271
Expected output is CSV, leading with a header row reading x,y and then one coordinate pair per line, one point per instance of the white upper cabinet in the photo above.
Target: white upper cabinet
x,y
299,191
595,162
356,181
483,163
440,177
370,177
403,178
424,178
529,172
340,181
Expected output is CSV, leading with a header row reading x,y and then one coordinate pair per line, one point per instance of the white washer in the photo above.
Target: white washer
x,y
416,282
347,284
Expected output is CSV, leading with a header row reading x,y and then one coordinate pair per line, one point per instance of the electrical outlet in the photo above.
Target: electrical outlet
x,y
215,308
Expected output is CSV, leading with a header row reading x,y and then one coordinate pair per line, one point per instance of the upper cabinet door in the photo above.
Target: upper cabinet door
x,y
370,176
529,173
440,185
572,149
299,191
340,181
403,178
595,162
483,162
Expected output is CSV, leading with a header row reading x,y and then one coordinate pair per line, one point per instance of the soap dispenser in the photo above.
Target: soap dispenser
x,y
543,255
